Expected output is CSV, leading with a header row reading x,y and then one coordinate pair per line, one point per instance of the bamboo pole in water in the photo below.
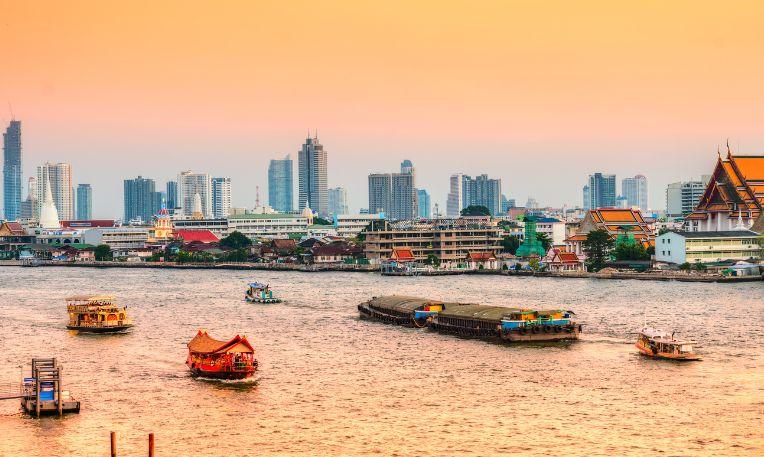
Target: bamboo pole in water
x,y
113,444
151,445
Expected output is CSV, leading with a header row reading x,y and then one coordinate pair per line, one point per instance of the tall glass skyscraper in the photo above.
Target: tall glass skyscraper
x,y
221,197
172,195
12,171
280,184
634,190
423,203
601,191
84,202
311,160
140,199
338,201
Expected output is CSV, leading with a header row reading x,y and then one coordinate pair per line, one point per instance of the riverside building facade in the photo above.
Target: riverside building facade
x,y
450,240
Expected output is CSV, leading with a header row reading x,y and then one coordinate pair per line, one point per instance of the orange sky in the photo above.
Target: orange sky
x,y
514,89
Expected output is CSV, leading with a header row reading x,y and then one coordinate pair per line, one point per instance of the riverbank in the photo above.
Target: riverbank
x,y
649,276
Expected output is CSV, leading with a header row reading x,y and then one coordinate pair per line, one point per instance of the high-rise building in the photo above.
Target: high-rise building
x,y
634,190
507,204
171,192
141,200
380,192
338,201
84,202
481,191
587,198
682,197
601,191
311,161
281,185
455,202
221,197
423,204
403,204
28,205
394,193
12,171
60,177
189,184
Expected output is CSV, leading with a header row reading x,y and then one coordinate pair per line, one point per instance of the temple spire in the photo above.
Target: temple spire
x,y
729,152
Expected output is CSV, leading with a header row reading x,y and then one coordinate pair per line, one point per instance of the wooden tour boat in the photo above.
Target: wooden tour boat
x,y
260,293
96,314
211,358
660,344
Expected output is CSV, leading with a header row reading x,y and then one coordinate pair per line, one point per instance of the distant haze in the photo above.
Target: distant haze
x,y
539,95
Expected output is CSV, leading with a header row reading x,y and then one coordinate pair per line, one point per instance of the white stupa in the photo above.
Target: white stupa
x,y
308,214
197,213
48,211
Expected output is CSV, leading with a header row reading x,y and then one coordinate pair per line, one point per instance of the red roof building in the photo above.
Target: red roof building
x,y
204,236
403,255
561,260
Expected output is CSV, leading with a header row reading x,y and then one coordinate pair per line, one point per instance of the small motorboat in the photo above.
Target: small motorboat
x,y
660,344
260,293
211,358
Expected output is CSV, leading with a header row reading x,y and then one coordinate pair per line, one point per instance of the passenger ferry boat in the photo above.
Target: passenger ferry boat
x,y
211,358
260,293
96,314
660,344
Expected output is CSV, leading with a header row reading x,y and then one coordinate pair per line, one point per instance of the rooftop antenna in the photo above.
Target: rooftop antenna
x,y
10,108
257,196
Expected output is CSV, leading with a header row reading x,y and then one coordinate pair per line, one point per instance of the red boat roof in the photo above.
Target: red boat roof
x,y
205,344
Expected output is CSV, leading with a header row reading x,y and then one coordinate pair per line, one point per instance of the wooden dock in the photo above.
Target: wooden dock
x,y
42,393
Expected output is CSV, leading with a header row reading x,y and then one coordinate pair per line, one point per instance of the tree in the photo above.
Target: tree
x,y
103,252
544,239
476,210
597,247
321,221
534,264
685,266
362,234
236,240
510,244
632,251
663,230
699,266
236,255
433,260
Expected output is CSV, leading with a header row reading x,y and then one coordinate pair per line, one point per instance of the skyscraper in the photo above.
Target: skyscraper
x,y
379,192
478,191
60,177
423,204
189,184
403,191
338,201
455,202
280,184
28,205
311,160
587,204
601,191
221,197
140,199
12,171
682,197
634,190
84,202
172,195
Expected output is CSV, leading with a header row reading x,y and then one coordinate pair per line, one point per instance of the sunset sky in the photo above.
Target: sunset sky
x,y
539,94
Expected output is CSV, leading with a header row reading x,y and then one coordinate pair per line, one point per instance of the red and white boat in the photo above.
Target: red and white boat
x,y
211,358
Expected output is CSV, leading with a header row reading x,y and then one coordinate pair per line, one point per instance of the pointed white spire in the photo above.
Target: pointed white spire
x,y
48,212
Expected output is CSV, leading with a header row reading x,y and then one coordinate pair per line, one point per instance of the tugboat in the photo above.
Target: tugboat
x,y
260,293
660,344
96,314
211,358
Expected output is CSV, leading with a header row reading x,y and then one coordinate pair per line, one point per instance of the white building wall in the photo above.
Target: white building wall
x,y
189,183
670,248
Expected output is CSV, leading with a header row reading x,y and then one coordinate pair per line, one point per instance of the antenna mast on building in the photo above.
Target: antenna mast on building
x,y
257,196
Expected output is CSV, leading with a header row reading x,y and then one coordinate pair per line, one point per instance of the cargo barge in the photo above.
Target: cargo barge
x,y
473,320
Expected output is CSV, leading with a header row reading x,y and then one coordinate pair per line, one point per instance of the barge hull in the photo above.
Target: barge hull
x,y
114,329
49,407
228,375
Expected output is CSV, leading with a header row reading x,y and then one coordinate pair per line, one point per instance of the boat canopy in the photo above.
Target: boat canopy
x,y
205,344
478,312
257,285
92,298
403,303
655,333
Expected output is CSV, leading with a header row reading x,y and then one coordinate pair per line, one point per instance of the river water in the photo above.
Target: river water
x,y
332,384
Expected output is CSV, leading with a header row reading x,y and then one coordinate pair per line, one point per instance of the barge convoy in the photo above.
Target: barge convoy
x,y
467,319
